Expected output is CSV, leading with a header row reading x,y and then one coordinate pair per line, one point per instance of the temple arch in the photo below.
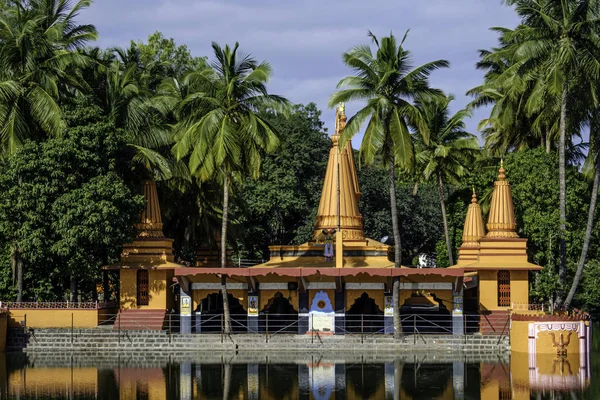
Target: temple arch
x,y
364,311
424,312
278,315
211,308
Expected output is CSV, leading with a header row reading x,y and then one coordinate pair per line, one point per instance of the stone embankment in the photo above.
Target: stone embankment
x,y
160,342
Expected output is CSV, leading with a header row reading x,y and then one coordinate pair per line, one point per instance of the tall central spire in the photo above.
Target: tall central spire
x,y
501,221
340,188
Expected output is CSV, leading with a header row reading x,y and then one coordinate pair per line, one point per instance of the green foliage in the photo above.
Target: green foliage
x,y
37,66
281,206
166,57
65,207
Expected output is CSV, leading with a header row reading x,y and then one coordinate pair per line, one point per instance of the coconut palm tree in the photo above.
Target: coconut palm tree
x,y
591,167
557,44
448,154
221,130
38,43
388,84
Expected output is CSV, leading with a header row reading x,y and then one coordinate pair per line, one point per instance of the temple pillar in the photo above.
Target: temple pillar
x,y
458,323
185,381
340,312
458,380
389,380
340,380
388,314
253,382
303,382
303,312
185,311
253,302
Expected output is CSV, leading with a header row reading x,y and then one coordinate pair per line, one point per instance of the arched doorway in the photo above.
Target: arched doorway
x,y
424,312
211,309
364,312
278,316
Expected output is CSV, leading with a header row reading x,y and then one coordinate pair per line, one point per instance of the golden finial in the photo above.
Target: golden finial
x,y
501,171
474,196
340,118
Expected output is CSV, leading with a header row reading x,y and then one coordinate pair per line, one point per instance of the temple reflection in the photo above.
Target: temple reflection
x,y
323,377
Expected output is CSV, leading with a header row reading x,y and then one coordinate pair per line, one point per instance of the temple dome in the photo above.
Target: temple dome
x,y
473,229
501,220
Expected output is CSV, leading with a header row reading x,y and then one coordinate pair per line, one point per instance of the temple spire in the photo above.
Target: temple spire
x,y
340,188
473,229
150,224
501,221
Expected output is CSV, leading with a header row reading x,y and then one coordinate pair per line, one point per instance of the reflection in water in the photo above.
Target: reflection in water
x,y
292,376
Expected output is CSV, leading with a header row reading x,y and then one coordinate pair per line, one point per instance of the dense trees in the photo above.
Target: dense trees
x,y
80,127
65,210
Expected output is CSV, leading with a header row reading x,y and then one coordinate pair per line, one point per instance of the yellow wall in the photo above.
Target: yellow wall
x,y
519,287
3,326
519,339
519,336
160,296
488,289
53,318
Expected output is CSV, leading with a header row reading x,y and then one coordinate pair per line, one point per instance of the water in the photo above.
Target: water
x,y
292,376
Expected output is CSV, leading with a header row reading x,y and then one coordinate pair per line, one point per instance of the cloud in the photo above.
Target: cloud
x,y
304,40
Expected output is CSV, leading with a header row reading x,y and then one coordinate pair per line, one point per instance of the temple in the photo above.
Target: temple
x,y
341,281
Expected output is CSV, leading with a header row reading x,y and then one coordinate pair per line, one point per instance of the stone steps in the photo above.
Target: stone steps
x,y
100,341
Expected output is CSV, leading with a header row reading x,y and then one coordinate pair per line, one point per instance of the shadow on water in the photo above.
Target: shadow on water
x,y
291,376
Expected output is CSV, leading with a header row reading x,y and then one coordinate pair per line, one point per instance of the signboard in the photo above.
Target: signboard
x,y
389,306
185,303
253,306
457,305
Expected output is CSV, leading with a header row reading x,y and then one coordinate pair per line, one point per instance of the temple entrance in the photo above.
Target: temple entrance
x,y
471,310
211,309
278,316
364,312
424,312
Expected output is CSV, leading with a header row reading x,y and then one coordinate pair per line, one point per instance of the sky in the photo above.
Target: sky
x,y
304,40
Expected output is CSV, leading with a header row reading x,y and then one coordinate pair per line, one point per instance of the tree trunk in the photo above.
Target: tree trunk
x,y
74,289
106,286
397,249
226,380
548,143
226,316
18,265
588,232
562,269
445,218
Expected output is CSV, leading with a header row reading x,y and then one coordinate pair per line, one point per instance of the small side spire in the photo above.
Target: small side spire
x,y
501,221
150,224
473,229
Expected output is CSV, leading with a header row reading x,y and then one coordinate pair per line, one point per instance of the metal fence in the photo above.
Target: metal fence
x,y
349,324
93,305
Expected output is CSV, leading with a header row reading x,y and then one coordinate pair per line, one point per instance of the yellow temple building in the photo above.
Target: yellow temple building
x,y
337,280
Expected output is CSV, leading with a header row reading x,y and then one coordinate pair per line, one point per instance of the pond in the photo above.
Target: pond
x,y
291,376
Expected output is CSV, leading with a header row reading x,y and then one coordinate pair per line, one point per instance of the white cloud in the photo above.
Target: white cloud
x,y
304,40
